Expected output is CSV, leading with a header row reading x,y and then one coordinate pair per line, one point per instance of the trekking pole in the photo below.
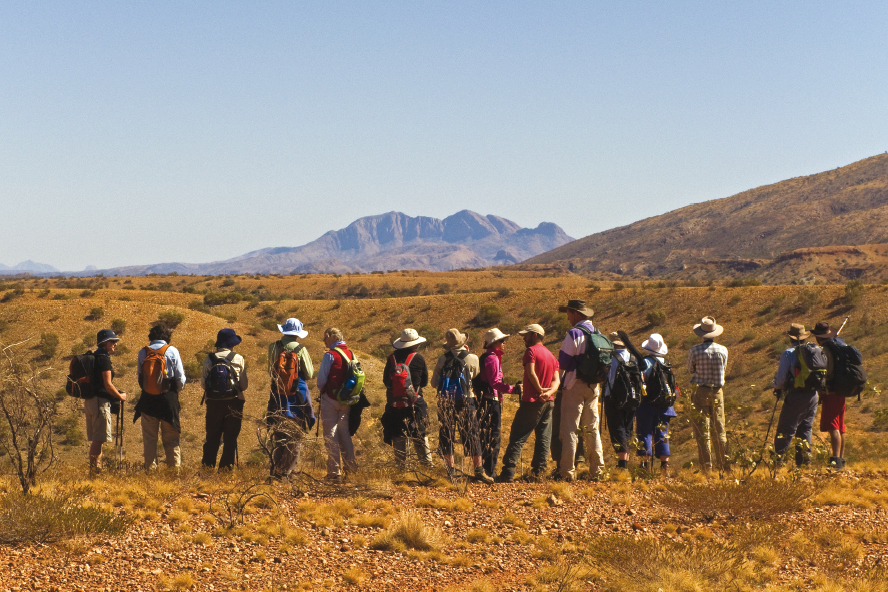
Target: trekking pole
x,y
842,327
767,434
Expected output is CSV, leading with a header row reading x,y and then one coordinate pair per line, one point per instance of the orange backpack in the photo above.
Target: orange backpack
x,y
154,379
285,371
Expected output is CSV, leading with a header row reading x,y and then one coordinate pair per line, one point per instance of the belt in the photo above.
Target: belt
x,y
712,386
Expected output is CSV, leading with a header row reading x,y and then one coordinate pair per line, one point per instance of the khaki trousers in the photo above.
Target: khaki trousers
x,y
708,415
579,412
340,450
168,436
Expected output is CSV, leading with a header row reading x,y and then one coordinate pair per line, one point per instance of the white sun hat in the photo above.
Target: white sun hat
x,y
293,327
408,338
655,345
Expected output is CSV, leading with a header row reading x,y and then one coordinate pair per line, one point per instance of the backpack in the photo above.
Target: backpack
x,y
849,377
810,368
353,381
660,386
452,384
153,379
221,381
403,392
79,379
594,366
627,389
481,387
285,371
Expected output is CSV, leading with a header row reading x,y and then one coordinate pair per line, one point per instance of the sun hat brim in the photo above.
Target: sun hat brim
x,y
301,334
656,352
398,344
716,331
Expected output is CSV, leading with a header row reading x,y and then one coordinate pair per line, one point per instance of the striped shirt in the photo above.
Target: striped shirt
x,y
707,363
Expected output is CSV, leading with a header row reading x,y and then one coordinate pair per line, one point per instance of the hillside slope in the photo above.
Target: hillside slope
x,y
846,206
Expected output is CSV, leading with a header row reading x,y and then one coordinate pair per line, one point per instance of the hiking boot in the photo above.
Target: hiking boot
x,y
842,463
504,479
483,477
333,479
532,477
835,463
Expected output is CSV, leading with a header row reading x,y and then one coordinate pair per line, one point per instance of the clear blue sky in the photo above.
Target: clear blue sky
x,y
197,131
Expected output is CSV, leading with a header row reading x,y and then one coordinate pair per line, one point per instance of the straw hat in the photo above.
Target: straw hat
x,y
798,332
408,338
655,345
453,339
493,336
533,328
578,306
708,328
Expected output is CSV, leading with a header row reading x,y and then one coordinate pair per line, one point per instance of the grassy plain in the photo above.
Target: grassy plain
x,y
55,318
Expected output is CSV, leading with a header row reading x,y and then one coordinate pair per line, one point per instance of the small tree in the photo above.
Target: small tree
x,y
49,344
27,411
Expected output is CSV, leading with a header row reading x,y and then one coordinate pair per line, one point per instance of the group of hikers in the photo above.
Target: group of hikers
x,y
558,398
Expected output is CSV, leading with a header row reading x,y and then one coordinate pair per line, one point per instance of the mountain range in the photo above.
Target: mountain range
x,y
29,266
808,228
385,242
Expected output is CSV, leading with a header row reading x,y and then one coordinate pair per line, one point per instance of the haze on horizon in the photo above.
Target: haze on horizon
x,y
136,133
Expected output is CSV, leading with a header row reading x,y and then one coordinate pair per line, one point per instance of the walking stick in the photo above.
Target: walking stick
x,y
767,434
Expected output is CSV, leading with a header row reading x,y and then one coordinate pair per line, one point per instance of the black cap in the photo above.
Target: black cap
x,y
106,335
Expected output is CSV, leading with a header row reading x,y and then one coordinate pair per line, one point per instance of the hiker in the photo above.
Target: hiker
x,y
98,408
161,377
489,388
579,407
406,415
707,362
621,396
453,375
334,413
802,366
656,408
555,443
290,412
224,380
534,415
845,377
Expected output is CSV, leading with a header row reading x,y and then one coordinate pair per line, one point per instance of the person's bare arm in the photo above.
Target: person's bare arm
x,y
110,388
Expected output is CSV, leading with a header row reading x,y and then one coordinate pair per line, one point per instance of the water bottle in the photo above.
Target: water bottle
x,y
350,384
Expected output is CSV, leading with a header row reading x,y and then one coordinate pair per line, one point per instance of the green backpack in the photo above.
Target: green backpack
x,y
595,364
353,381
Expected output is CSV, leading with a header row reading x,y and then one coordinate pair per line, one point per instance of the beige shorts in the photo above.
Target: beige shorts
x,y
99,427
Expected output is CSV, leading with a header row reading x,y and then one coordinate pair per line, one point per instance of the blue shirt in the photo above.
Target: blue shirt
x,y
175,369
619,355
326,363
785,377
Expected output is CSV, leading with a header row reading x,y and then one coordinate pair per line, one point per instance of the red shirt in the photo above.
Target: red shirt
x,y
545,366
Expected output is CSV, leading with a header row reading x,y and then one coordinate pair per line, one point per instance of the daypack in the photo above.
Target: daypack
x,y
452,384
79,380
285,371
660,390
221,381
849,377
594,366
403,392
353,381
810,368
481,387
627,389
153,379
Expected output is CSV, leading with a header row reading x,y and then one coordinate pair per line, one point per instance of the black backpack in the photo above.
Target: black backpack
x,y
221,382
627,389
594,366
480,386
810,368
849,377
80,373
660,385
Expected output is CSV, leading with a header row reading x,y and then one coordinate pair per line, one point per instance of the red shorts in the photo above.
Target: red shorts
x,y
832,417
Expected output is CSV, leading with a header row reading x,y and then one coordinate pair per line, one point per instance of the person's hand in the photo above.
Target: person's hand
x,y
778,393
122,395
517,388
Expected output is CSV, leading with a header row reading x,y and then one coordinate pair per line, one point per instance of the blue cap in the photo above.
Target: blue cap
x,y
106,335
293,327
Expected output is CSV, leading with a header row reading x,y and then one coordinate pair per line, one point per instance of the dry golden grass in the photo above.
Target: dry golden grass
x,y
354,576
410,531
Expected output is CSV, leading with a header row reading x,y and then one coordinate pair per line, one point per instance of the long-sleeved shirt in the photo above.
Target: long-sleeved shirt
x,y
237,363
174,367
472,366
707,363
619,356
419,371
572,350
306,368
326,363
492,373
784,379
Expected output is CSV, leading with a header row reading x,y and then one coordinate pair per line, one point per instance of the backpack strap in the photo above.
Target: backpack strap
x,y
342,353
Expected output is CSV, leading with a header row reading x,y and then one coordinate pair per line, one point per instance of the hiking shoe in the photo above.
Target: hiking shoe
x,y
333,479
532,477
483,477
503,479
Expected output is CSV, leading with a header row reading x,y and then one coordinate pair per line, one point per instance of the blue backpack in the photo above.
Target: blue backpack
x,y
453,384
221,381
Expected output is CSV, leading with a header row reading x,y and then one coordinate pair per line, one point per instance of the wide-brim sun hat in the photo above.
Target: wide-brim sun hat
x,y
293,327
615,339
533,328
493,336
578,306
655,345
822,331
798,332
453,339
408,338
707,327
106,335
227,338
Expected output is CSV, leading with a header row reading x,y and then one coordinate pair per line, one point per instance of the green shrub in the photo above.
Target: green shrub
x,y
269,324
853,292
96,313
12,294
880,419
87,293
488,315
656,317
118,326
217,298
171,318
48,345
193,371
198,306
79,348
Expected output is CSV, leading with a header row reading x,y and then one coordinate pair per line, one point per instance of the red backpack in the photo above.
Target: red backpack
x,y
285,371
403,393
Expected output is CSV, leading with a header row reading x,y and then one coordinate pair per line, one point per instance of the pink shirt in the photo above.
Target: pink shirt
x,y
492,373
545,366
